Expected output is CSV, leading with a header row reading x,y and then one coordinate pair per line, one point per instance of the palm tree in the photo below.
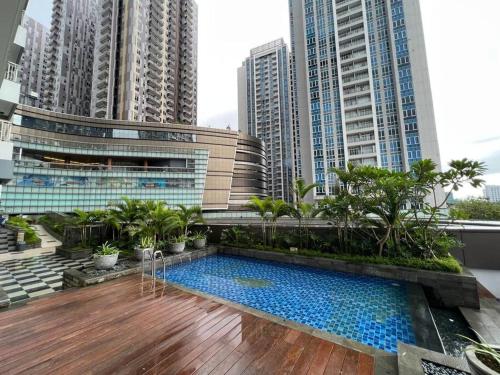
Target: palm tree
x,y
299,209
126,212
262,207
189,217
83,220
277,209
301,189
158,222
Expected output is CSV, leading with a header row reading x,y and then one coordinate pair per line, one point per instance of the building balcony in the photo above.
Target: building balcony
x,y
154,101
102,94
101,104
152,111
10,90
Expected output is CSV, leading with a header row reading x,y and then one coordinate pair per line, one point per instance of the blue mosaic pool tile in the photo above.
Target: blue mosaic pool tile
x,y
369,310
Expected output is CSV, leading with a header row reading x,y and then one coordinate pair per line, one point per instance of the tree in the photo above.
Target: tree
x,y
475,209
262,208
299,209
189,217
277,209
301,189
426,234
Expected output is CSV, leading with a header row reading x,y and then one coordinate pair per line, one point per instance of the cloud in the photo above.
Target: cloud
x,y
493,162
487,140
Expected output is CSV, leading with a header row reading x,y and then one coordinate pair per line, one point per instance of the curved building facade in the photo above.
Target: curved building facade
x,y
63,162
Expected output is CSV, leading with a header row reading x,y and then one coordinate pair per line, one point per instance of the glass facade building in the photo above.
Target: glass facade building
x,y
361,87
264,106
65,162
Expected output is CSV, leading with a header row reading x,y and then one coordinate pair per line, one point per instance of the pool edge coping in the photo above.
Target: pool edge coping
x,y
336,339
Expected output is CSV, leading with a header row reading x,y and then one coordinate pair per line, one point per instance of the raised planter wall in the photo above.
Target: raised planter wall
x,y
447,289
76,279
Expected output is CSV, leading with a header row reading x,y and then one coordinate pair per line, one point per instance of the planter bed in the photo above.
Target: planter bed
x,y
90,276
447,289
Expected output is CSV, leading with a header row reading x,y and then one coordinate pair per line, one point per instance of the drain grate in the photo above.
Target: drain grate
x,y
431,368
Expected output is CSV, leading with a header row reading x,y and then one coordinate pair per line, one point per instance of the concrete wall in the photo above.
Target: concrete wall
x,y
481,247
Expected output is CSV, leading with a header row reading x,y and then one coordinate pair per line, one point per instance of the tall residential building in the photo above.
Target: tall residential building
x,y
145,65
12,43
33,63
361,86
264,111
70,57
492,193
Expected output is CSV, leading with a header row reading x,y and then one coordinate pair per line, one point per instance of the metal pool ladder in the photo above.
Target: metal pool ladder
x,y
152,258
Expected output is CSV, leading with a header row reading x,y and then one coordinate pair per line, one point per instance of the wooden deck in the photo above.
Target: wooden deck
x,y
122,327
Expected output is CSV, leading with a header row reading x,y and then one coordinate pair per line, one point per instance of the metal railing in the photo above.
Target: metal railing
x,y
148,254
5,131
100,167
12,72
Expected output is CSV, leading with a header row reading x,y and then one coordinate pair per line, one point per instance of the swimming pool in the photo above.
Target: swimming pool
x,y
369,310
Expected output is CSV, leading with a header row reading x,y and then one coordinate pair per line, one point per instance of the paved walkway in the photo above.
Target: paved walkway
x,y
122,327
36,276
486,321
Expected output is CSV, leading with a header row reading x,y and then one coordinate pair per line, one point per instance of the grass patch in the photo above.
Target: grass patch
x,y
447,264
30,236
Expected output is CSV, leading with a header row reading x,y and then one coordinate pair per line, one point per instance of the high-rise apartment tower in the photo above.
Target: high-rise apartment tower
x,y
32,65
70,57
264,111
145,66
361,87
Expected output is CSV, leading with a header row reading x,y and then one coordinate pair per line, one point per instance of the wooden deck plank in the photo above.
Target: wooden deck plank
x,y
124,327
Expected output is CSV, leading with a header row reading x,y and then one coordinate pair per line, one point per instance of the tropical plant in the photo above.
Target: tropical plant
x,y
201,235
301,189
84,220
385,198
157,222
277,208
262,208
30,236
125,213
106,249
235,235
189,217
181,238
487,354
475,209
147,242
301,210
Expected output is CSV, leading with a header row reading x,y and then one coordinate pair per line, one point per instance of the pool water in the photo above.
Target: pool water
x,y
369,310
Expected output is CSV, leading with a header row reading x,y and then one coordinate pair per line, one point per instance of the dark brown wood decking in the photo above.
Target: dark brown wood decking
x,y
122,327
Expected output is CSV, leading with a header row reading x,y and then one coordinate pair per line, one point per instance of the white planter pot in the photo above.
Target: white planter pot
x,y
200,244
476,366
139,252
177,248
105,262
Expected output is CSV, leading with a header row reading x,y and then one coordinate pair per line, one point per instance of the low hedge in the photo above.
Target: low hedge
x,y
448,264
30,236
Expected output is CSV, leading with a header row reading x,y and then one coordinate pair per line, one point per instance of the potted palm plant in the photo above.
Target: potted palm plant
x,y
106,257
178,244
483,359
200,239
146,243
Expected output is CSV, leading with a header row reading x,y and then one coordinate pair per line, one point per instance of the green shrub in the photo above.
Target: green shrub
x,y
444,264
30,236
475,209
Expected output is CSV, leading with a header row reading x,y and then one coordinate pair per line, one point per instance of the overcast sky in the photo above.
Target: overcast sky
x,y
463,49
